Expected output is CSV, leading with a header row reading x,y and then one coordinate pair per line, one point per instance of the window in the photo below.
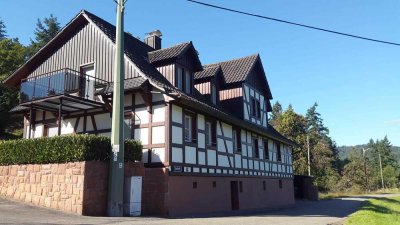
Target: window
x,y
211,134
264,185
179,79
256,150
278,152
214,184
194,185
266,150
280,184
190,128
188,82
240,186
255,107
214,94
127,127
237,142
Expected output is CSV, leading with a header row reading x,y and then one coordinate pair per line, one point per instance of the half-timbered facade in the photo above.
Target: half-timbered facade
x,y
206,125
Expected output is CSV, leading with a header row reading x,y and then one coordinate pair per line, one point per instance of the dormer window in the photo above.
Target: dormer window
x,y
214,94
179,79
255,107
183,80
188,82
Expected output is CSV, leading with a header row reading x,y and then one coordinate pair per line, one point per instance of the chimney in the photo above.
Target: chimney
x,y
153,39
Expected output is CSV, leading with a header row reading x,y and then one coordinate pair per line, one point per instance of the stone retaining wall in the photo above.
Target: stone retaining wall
x,y
79,187
57,186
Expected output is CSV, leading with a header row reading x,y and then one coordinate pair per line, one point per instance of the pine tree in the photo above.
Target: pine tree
x,y
44,32
2,30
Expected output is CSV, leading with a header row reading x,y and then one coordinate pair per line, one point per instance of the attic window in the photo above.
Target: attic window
x,y
214,94
255,108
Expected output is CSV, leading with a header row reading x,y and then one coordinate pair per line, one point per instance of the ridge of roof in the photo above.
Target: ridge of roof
x,y
169,53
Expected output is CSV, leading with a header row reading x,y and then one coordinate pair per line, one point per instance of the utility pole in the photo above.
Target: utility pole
x,y
116,173
308,156
380,165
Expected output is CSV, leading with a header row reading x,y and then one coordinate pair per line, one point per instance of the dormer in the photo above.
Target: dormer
x,y
178,64
244,89
208,83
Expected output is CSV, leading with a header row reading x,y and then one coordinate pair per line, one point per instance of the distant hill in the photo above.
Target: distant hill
x,y
344,151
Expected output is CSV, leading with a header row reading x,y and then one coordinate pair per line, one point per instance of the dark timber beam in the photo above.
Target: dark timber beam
x,y
59,116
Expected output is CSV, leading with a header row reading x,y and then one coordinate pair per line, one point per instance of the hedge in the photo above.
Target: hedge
x,y
62,149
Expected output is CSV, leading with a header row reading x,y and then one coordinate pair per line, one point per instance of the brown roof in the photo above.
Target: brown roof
x,y
208,71
129,84
168,53
237,70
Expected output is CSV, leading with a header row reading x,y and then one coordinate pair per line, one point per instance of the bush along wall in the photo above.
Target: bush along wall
x,y
62,149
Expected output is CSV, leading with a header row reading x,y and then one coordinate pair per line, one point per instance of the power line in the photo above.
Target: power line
x,y
293,23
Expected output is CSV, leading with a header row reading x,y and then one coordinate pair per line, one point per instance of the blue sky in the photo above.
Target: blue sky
x,y
355,82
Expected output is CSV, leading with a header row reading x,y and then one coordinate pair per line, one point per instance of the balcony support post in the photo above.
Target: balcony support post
x,y
30,122
59,116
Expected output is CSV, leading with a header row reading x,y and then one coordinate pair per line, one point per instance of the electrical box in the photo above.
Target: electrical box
x,y
133,196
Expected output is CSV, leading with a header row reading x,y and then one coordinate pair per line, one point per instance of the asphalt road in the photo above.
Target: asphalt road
x,y
303,212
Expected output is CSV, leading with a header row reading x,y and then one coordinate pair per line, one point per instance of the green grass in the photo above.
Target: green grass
x,y
330,195
382,211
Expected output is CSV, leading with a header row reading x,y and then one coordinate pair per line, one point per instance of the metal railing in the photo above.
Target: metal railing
x,y
60,82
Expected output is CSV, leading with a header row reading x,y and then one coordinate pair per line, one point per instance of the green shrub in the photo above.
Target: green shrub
x,y
62,149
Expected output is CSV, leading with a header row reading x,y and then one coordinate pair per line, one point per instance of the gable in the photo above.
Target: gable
x,y
257,79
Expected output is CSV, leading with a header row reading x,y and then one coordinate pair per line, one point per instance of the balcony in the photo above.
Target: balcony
x,y
72,90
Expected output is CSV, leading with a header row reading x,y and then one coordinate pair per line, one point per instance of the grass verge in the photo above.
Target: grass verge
x,y
330,195
382,211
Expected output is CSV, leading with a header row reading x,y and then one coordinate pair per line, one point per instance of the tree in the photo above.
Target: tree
x,y
12,55
390,177
8,100
276,112
44,32
2,30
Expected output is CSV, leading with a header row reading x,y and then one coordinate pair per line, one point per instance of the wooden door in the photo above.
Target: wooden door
x,y
234,195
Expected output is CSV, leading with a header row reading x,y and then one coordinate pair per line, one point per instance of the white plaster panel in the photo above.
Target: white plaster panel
x,y
229,145
227,130
251,164
223,161
158,113
141,116
107,134
238,161
38,131
89,124
158,97
67,126
158,136
244,150
202,158
221,145
142,134
219,129
212,157
80,125
256,165
244,163
246,92
103,121
196,170
176,114
250,150
201,140
177,155
38,115
176,135
245,111
138,99
190,155
158,155
200,122
53,131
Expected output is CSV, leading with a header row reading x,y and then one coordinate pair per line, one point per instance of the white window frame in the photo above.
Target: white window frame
x,y
188,128
208,128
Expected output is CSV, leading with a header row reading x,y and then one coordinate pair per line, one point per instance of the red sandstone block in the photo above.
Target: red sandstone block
x,y
61,169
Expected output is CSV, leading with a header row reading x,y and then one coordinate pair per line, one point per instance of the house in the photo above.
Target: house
x,y
205,126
